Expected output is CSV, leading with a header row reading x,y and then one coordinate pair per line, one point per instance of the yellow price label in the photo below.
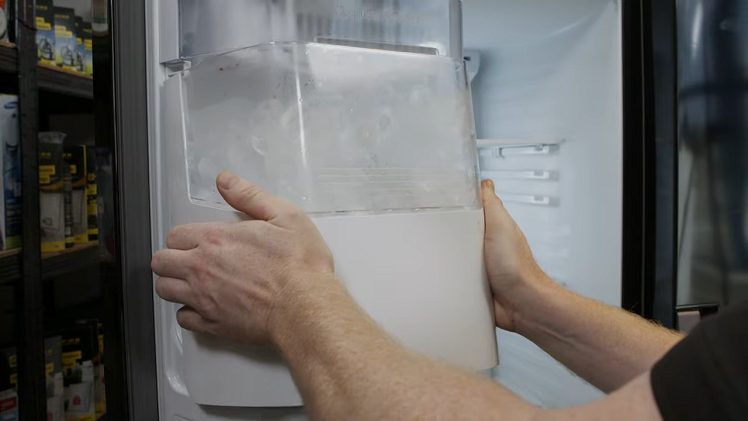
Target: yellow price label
x,y
47,169
70,359
89,417
48,369
61,32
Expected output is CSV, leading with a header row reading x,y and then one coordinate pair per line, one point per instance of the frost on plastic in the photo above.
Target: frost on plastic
x,y
333,128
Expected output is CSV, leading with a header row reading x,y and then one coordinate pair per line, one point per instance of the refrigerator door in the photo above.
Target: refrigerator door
x,y
548,100
361,115
548,106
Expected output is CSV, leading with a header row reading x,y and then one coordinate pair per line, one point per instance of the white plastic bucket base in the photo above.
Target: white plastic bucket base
x,y
421,276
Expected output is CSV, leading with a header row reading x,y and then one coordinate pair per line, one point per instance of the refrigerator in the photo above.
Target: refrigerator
x,y
574,115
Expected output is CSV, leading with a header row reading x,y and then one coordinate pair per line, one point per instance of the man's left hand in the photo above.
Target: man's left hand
x,y
234,279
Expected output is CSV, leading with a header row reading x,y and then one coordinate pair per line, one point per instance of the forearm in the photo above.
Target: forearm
x,y
346,367
604,345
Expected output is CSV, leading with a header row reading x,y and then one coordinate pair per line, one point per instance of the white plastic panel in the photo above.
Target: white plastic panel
x,y
435,302
552,71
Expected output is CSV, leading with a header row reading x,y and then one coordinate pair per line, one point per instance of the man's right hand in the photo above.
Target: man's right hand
x,y
605,345
512,270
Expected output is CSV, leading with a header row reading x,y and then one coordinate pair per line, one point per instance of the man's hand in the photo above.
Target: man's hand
x,y
235,278
512,270
606,346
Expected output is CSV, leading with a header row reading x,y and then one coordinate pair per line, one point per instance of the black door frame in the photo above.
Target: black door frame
x,y
650,194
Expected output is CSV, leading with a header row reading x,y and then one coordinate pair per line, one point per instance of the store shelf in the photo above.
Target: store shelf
x,y
9,266
49,78
54,79
8,57
53,264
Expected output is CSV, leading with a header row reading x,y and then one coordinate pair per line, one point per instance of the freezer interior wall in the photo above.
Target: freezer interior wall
x,y
552,71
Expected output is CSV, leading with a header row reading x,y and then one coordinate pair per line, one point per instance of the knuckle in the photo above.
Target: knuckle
x,y
214,237
250,191
154,263
204,303
157,262
199,301
171,237
198,266
260,228
184,319
160,287
296,216
175,233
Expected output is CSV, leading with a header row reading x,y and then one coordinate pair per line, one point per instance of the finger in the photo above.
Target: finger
x,y
185,237
174,290
251,199
191,320
172,263
492,205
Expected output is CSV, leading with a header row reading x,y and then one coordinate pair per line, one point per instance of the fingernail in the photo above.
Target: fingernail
x,y
226,180
489,184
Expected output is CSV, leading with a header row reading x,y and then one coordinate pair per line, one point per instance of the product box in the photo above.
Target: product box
x,y
80,352
55,385
66,45
98,364
105,202
79,395
3,230
67,199
45,31
80,343
51,191
52,356
56,406
9,405
8,384
8,369
92,195
10,174
75,157
5,19
80,50
93,344
87,49
100,386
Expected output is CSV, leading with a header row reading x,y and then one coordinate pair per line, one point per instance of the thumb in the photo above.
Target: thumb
x,y
250,198
492,205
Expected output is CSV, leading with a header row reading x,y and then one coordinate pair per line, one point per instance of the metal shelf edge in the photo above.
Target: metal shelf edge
x,y
53,264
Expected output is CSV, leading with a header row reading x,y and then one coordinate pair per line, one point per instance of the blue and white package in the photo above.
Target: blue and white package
x,y
10,208
45,31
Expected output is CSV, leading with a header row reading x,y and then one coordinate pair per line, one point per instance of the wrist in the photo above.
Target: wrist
x,y
534,301
299,304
